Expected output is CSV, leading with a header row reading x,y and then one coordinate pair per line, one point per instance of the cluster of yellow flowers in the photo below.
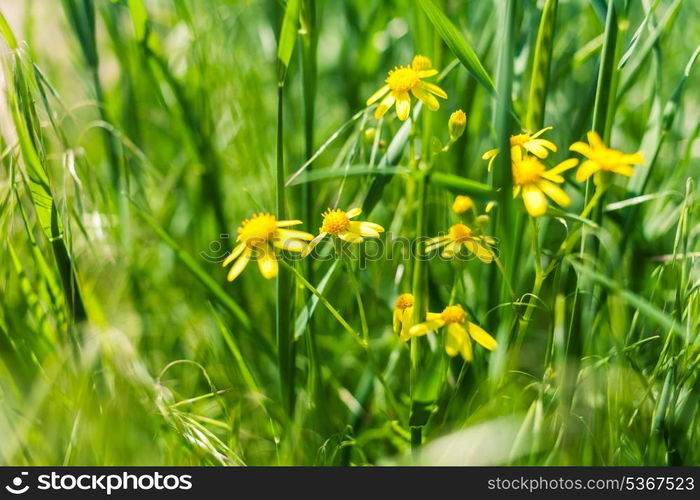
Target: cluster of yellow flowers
x,y
531,178
460,331
263,234
535,183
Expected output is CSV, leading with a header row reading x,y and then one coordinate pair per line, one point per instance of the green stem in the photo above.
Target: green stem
x,y
534,295
358,299
283,309
420,289
571,239
309,66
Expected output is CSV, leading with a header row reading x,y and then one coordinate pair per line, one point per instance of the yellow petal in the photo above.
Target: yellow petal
x,y
634,159
284,234
397,320
457,341
453,341
433,316
377,95
425,327
554,192
535,201
481,337
363,229
451,250
552,177
490,166
312,244
267,262
403,106
239,265
582,148
291,245
434,89
351,237
353,212
516,154
406,324
238,250
481,252
427,98
625,170
540,132
427,73
287,223
536,148
466,350
564,166
384,106
594,140
586,169
546,144
489,154
436,240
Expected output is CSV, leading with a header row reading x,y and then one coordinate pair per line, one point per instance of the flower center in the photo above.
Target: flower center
x,y
460,232
454,314
335,222
257,230
608,159
527,171
404,301
402,79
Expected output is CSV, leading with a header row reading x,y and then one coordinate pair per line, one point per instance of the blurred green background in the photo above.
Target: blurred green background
x,y
137,134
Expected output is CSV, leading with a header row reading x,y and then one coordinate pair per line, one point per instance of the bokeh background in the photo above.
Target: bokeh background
x,y
121,341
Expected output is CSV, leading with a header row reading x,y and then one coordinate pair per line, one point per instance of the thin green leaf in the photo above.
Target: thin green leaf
x,y
540,67
288,37
455,41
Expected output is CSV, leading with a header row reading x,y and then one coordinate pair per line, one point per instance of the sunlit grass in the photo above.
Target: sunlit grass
x,y
136,137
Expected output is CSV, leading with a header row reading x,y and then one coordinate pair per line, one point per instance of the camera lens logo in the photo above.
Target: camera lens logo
x,y
16,488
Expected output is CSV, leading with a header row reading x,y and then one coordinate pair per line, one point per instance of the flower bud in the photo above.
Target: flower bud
x,y
457,124
462,204
370,134
483,220
421,63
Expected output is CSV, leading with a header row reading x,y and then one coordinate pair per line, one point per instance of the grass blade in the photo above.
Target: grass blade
x,y
455,41
288,37
537,100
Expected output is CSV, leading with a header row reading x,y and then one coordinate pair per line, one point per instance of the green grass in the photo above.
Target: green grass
x,y
135,137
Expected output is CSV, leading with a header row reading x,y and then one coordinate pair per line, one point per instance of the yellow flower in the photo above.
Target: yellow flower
x,y
337,223
460,332
462,236
403,316
534,181
603,159
260,235
456,124
528,142
403,80
462,204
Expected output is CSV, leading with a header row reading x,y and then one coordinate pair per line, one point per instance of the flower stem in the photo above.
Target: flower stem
x,y
534,295
309,40
419,287
283,309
